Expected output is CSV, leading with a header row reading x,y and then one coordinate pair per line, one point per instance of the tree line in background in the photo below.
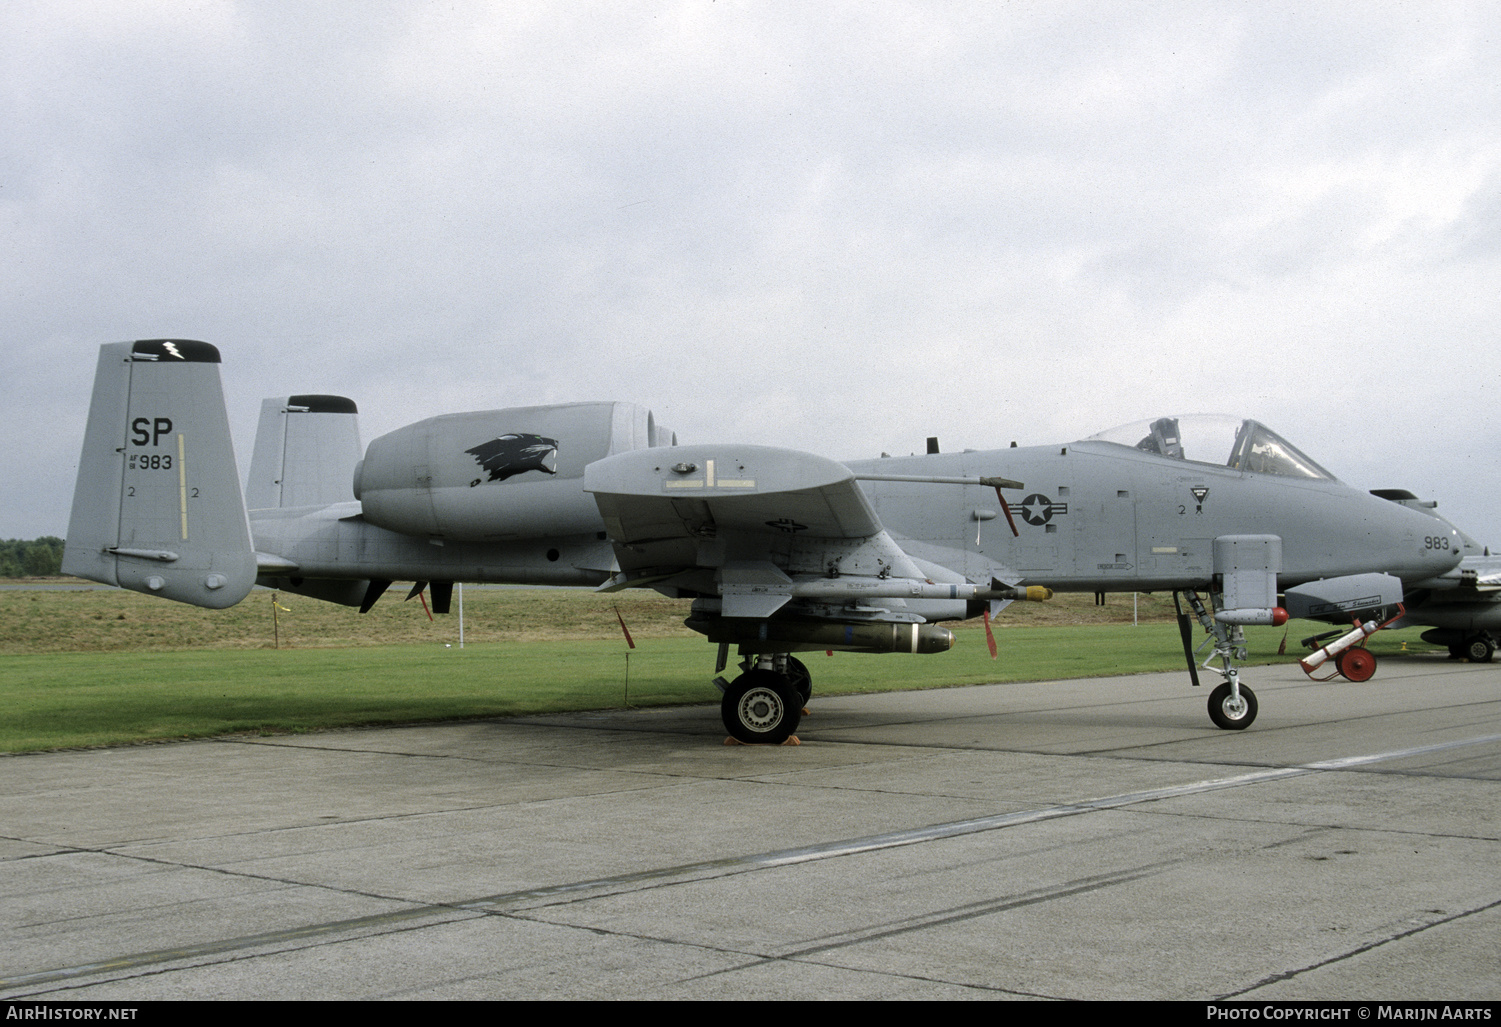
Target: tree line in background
x,y
38,558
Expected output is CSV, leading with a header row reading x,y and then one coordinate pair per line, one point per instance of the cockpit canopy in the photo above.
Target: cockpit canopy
x,y
1243,445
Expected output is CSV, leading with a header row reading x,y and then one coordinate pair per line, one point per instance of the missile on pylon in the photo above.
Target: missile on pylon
x,y
850,588
757,635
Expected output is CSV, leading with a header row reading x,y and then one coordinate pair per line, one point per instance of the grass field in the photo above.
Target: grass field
x,y
111,620
104,666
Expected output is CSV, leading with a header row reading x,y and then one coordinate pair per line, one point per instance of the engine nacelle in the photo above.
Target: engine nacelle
x,y
497,475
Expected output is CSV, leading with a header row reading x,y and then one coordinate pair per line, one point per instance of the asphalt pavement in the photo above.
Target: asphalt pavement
x,y
1091,839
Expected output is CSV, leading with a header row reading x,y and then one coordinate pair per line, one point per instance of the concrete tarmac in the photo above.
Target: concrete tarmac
x,y
1092,839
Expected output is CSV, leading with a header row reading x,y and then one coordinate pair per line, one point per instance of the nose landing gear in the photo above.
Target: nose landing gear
x,y
1232,706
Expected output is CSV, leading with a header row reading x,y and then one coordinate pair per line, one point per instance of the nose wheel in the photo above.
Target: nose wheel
x,y
1232,712
1232,706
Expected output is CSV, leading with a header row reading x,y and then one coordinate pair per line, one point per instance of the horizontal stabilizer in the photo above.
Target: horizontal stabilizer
x,y
343,591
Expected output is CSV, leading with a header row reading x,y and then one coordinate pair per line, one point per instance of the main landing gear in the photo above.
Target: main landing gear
x,y
1476,649
764,705
1232,705
1463,643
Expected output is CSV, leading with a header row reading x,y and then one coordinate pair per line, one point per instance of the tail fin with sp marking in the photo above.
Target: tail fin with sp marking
x,y
157,507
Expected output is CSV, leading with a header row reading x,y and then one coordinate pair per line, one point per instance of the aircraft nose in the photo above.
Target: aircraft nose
x,y
1428,546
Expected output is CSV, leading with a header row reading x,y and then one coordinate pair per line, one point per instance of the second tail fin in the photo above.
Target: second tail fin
x,y
305,451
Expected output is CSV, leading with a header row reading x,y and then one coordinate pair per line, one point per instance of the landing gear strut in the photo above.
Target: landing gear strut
x,y
764,705
1232,706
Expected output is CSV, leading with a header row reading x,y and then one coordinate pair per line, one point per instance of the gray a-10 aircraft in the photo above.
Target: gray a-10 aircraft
x,y
1463,608
780,551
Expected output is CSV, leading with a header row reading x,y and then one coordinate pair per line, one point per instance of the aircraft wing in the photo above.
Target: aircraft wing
x,y
1474,573
754,524
1486,570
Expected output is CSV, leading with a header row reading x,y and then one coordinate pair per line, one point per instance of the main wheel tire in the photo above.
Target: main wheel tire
x,y
1479,649
800,678
761,708
1228,714
1357,664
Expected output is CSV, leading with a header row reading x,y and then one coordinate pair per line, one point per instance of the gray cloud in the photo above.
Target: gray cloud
x,y
840,228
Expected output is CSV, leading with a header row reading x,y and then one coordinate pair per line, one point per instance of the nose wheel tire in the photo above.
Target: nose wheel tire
x,y
1229,713
761,708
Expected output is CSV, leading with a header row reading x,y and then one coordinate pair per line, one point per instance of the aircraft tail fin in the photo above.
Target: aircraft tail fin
x,y
306,449
157,507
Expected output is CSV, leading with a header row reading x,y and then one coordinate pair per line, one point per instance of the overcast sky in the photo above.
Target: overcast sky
x,y
840,227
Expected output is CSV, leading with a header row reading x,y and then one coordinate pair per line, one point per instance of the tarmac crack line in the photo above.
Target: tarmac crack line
x,y
943,918
973,910
1288,975
707,869
895,928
